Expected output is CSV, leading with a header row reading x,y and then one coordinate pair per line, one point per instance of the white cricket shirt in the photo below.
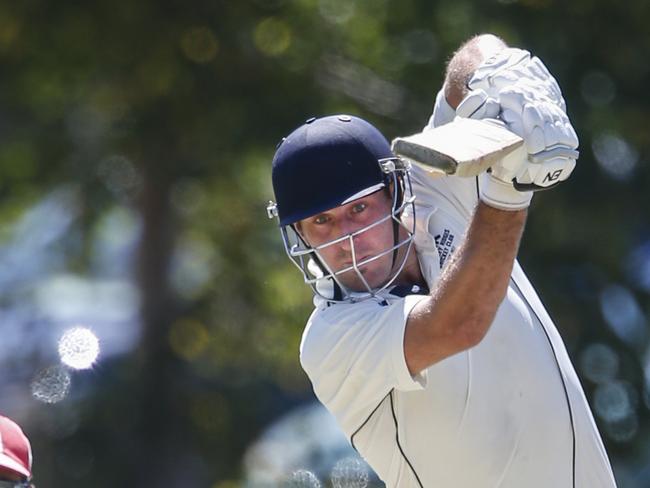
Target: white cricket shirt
x,y
508,413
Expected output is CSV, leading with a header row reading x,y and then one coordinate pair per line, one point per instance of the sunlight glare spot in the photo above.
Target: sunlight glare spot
x,y
303,478
51,385
349,473
78,348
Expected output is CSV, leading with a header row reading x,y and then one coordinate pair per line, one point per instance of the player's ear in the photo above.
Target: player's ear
x,y
388,191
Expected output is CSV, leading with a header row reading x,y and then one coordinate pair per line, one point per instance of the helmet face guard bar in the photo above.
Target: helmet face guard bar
x,y
323,280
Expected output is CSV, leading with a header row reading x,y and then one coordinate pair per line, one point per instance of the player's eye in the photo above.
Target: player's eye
x,y
320,219
359,207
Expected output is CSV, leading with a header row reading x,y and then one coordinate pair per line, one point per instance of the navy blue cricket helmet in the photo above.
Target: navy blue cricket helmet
x,y
324,163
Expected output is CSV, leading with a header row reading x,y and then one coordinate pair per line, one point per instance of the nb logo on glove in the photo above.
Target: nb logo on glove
x,y
553,176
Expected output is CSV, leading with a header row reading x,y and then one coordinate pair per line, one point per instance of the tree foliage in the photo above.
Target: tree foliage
x,y
162,118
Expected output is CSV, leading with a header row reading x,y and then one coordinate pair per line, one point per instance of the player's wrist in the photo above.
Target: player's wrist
x,y
502,195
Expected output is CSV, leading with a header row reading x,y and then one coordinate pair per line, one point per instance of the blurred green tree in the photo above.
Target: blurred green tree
x,y
172,111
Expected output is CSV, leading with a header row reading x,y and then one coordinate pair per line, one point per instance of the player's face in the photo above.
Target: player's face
x,y
344,221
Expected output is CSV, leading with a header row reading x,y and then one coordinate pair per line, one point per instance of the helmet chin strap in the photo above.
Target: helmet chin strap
x,y
397,202
395,242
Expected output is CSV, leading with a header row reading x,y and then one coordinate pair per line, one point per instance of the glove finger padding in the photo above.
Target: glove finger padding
x,y
514,121
478,105
486,75
555,125
541,123
550,143
540,72
525,119
515,67
568,135
533,123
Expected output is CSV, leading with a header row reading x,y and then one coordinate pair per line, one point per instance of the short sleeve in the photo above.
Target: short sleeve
x,y
354,356
453,194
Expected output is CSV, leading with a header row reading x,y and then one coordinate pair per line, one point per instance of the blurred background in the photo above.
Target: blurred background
x,y
149,319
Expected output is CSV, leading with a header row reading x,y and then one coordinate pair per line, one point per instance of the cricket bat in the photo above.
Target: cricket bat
x,y
464,147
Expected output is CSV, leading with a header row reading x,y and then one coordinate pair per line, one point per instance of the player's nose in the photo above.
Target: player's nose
x,y
347,229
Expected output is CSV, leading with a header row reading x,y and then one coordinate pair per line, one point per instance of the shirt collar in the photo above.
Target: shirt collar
x,y
404,290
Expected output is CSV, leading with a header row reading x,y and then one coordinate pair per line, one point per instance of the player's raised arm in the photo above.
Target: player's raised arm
x,y
464,302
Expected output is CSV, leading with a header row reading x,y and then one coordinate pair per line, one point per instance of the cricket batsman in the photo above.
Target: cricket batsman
x,y
427,341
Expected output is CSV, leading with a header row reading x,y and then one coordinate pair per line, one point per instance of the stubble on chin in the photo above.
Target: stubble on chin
x,y
376,276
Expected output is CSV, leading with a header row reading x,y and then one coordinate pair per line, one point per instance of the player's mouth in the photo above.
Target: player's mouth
x,y
349,264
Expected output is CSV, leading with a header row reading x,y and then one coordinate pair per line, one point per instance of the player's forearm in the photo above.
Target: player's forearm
x,y
474,285
464,303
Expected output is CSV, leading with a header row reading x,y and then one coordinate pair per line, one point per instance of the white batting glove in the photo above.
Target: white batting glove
x,y
532,106
551,141
502,195
516,67
478,105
